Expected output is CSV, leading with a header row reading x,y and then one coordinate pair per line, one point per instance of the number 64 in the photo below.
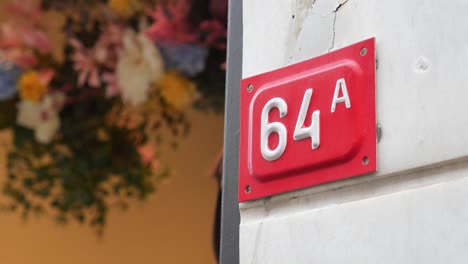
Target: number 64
x,y
300,132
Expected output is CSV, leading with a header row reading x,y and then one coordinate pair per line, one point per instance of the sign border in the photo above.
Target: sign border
x,y
250,189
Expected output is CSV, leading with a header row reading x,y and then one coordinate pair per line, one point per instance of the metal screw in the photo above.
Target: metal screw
x,y
363,51
247,189
250,87
379,132
365,160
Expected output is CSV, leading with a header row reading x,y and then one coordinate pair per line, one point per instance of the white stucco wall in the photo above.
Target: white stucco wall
x,y
414,209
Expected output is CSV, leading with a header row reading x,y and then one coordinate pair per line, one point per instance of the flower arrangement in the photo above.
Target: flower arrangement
x,y
87,126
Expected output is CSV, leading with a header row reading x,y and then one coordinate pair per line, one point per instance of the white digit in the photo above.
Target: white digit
x,y
313,131
273,127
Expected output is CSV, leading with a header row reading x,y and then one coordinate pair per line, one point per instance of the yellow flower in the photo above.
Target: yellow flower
x,y
31,87
177,90
124,8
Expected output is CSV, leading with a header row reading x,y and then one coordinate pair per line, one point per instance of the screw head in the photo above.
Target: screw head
x,y
247,189
365,160
379,132
250,87
363,51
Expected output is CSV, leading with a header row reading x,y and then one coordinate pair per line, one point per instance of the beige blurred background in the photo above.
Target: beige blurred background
x,y
173,226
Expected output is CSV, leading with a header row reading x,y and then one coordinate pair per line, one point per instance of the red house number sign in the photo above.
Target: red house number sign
x,y
308,123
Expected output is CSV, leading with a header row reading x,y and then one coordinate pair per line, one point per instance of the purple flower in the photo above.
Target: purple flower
x,y
189,59
9,74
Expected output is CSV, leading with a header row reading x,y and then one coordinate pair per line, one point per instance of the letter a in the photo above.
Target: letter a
x,y
340,84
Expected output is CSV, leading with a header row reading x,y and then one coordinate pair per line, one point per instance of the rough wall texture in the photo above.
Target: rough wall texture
x,y
409,211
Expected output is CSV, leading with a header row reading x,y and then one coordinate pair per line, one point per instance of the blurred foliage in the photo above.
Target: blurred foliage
x,y
93,164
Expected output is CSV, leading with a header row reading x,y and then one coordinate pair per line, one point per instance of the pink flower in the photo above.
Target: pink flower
x,y
36,39
85,65
16,45
90,62
148,156
10,36
23,35
171,23
147,153
172,26
215,34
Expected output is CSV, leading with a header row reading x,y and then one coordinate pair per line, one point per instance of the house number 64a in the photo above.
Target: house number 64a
x,y
300,132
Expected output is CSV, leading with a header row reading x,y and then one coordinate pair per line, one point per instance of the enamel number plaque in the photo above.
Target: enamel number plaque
x,y
308,123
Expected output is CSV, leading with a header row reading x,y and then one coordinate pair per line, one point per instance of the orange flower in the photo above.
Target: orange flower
x,y
31,86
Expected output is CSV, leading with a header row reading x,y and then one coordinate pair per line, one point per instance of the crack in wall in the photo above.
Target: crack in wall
x,y
334,32
334,24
